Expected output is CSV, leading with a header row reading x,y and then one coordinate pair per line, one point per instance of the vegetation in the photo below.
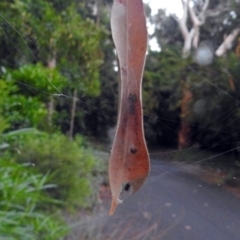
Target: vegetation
x,y
46,167
69,163
21,199
213,92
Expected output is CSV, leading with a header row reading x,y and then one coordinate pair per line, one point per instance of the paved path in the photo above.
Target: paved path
x,y
174,205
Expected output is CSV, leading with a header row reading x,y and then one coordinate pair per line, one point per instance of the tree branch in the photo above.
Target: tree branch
x,y
205,6
183,21
228,42
188,43
197,22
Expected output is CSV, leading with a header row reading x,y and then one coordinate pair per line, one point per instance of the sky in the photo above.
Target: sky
x,y
171,6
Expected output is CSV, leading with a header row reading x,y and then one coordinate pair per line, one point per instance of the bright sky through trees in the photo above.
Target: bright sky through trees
x,y
171,6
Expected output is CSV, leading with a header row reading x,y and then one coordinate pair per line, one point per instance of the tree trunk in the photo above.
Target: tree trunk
x,y
184,139
51,65
98,14
73,113
231,83
227,42
50,105
237,50
198,18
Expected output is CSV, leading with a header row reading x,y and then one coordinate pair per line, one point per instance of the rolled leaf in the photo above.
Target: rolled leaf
x,y
129,159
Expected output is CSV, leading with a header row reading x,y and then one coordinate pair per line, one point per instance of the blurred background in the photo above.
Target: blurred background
x,y
58,111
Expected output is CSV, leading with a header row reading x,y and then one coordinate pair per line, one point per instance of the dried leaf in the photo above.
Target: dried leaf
x,y
129,159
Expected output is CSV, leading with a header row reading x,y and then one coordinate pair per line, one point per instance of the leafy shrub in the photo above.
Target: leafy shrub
x,y
12,139
4,89
70,164
18,110
21,194
39,80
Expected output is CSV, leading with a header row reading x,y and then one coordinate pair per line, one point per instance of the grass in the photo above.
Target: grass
x,y
21,199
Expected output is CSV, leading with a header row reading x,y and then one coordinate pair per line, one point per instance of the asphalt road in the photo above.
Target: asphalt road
x,y
174,205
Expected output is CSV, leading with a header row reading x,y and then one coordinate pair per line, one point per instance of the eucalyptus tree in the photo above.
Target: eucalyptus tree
x,y
201,20
206,31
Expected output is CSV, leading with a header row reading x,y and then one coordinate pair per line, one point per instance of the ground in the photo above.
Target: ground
x,y
178,201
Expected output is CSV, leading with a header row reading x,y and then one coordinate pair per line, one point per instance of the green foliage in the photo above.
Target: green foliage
x,y
64,33
5,90
41,30
94,113
161,83
216,88
3,124
18,110
12,139
26,94
214,92
163,71
21,195
80,37
82,56
37,80
70,164
23,111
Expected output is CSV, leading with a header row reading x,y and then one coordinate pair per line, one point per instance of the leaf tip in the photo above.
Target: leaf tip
x,y
114,204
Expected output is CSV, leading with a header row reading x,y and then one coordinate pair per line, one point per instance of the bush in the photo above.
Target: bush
x,y
21,194
70,164
18,110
